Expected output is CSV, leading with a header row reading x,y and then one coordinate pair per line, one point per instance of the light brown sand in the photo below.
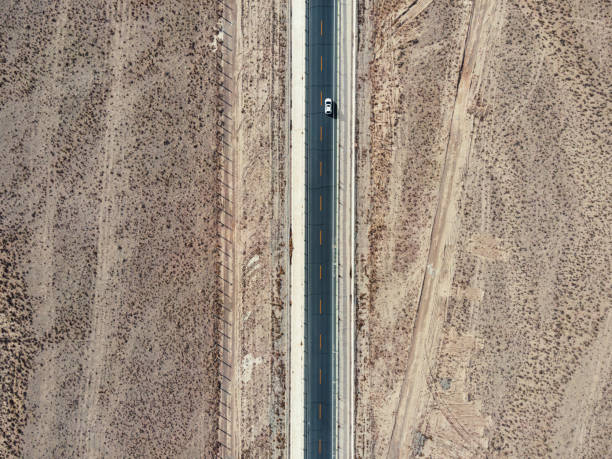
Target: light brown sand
x,y
262,227
484,252
107,229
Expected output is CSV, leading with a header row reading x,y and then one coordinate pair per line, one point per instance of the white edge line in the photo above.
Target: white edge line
x,y
298,227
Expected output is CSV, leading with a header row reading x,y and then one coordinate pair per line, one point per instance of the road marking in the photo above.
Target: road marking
x,y
320,237
320,341
319,446
321,63
320,271
320,168
320,375
321,97
320,306
321,133
320,203
320,415
321,27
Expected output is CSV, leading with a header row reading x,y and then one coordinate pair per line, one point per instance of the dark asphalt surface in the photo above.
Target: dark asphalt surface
x,y
320,226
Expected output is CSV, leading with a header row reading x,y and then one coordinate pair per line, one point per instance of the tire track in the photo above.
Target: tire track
x,y
414,394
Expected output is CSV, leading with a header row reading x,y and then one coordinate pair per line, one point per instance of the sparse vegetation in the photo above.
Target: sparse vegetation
x,y
521,293
107,228
263,241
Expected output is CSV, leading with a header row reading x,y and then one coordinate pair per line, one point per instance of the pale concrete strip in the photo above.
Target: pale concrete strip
x,y
345,300
298,227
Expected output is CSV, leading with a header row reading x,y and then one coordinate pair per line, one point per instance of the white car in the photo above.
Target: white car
x,y
329,107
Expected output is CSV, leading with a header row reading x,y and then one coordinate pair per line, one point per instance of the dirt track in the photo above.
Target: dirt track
x,y
481,291
262,227
430,313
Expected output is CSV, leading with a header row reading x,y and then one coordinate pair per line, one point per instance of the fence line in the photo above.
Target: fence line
x,y
225,248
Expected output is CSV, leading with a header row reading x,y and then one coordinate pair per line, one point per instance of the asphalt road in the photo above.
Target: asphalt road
x,y
320,224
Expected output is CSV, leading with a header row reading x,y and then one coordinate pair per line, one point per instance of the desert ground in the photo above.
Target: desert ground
x,y
144,237
483,229
108,223
261,131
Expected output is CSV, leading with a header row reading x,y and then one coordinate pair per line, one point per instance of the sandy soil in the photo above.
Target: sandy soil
x,y
108,224
262,227
483,249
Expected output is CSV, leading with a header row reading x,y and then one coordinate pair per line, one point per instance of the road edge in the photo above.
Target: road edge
x,y
297,165
345,299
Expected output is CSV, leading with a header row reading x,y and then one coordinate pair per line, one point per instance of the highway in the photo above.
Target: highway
x,y
320,228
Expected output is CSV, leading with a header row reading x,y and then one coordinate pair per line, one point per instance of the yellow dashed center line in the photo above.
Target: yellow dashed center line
x,y
320,443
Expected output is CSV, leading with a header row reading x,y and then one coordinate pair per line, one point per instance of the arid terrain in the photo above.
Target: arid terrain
x,y
108,133
483,235
144,237
261,132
